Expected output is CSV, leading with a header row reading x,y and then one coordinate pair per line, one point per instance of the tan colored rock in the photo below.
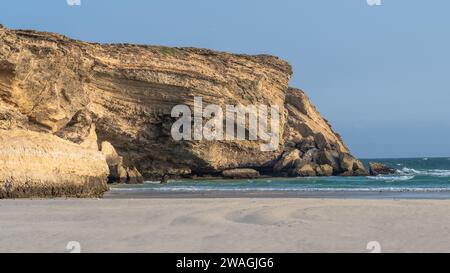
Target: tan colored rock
x,y
325,170
118,172
287,161
346,162
42,165
330,158
322,142
125,93
311,155
360,172
122,175
294,136
350,166
90,141
305,171
134,176
10,117
130,90
380,169
347,173
110,153
359,169
319,143
241,173
304,118
307,144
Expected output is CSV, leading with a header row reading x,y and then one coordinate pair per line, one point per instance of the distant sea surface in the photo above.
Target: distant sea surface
x,y
417,177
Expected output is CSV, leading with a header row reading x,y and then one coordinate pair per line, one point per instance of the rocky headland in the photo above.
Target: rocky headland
x,y
376,168
76,115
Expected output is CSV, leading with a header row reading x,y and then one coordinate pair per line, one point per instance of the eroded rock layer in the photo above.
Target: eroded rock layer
x,y
311,147
122,95
54,84
36,164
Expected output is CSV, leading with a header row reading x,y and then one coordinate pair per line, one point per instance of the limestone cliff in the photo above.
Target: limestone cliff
x,y
55,85
311,146
34,164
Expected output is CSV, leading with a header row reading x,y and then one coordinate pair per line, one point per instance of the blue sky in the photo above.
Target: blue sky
x,y
379,74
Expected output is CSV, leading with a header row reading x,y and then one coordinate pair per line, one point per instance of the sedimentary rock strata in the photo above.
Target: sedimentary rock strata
x,y
376,168
87,94
36,164
311,146
240,173
54,84
118,172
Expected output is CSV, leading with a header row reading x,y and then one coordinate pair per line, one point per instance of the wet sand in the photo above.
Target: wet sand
x,y
225,225
130,193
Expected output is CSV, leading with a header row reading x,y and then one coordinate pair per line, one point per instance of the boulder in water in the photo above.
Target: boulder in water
x,y
240,173
376,168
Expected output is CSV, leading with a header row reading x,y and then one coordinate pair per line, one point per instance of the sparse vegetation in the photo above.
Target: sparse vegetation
x,y
170,51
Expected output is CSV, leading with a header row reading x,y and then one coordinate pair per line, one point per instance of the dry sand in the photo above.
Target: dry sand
x,y
225,225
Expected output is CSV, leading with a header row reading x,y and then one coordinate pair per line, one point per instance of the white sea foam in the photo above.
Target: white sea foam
x,y
272,189
436,172
152,182
406,179
392,178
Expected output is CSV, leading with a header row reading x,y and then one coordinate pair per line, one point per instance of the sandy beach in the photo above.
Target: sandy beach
x,y
225,225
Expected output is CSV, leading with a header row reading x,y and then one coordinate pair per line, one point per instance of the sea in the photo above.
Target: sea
x,y
415,178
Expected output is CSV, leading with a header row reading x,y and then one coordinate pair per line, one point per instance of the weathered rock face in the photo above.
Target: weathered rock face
x,y
241,173
54,84
125,93
311,146
118,172
36,164
376,168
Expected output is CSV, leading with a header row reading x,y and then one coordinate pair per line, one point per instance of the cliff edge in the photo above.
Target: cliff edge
x,y
54,85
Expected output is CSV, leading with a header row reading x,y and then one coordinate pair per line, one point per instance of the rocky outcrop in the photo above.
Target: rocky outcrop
x,y
37,165
134,176
240,173
376,168
118,173
311,147
288,161
50,83
89,93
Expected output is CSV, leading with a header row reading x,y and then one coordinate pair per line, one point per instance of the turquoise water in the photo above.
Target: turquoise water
x,y
414,175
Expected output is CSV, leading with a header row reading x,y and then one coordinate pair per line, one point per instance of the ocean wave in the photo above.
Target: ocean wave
x,y
392,178
273,189
436,172
152,182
